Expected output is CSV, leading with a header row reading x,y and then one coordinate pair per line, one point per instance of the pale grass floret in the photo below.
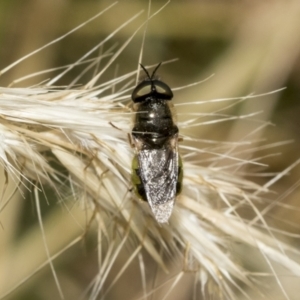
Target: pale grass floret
x,y
86,131
88,135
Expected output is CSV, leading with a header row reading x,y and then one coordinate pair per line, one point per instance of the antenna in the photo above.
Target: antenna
x,y
153,73
155,70
145,70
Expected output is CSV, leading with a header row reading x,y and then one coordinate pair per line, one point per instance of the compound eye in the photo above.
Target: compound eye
x,y
162,90
152,88
142,91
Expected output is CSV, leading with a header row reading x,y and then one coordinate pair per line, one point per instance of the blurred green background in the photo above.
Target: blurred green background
x,y
250,46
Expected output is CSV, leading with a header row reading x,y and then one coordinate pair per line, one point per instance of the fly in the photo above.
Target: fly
x,y
156,167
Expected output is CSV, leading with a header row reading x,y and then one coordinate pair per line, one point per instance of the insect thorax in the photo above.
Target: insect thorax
x,y
154,124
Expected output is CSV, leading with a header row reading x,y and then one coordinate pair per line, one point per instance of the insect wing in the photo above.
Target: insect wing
x,y
159,175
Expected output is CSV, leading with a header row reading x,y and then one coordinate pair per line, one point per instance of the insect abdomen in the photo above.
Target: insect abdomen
x,y
137,181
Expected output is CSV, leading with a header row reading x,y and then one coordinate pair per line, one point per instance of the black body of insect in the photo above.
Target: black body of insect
x,y
157,168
